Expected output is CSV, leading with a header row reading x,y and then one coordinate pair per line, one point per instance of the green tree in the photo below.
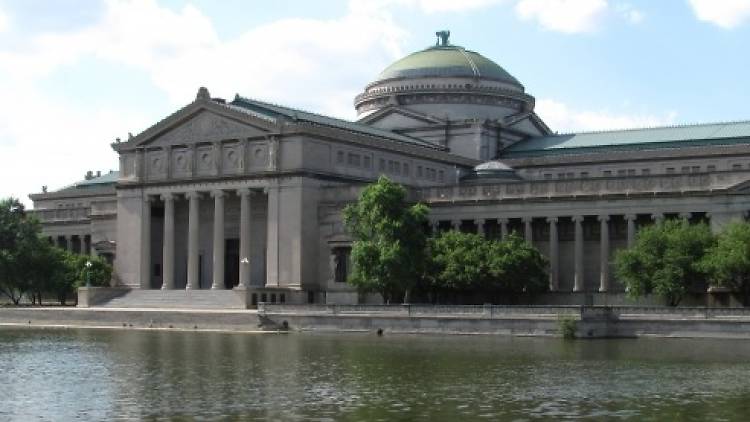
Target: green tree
x,y
665,260
727,263
19,238
516,267
457,262
389,240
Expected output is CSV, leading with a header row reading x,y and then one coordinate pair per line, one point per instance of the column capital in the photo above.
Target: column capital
x,y
148,199
217,193
686,215
479,221
657,216
577,218
527,219
552,220
243,192
503,220
193,194
603,218
631,216
167,196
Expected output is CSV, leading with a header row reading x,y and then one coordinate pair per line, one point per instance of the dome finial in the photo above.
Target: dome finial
x,y
442,37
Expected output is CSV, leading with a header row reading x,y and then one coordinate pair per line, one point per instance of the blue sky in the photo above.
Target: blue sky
x,y
77,74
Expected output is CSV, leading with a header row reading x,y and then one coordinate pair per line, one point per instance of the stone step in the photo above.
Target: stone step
x,y
194,299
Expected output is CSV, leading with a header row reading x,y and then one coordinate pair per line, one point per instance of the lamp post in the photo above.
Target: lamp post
x,y
88,273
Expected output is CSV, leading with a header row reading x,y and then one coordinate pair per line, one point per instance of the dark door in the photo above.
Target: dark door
x,y
232,263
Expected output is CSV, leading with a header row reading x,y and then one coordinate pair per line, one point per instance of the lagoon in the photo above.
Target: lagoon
x,y
97,374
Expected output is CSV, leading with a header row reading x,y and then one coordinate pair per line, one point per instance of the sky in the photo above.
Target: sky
x,y
76,75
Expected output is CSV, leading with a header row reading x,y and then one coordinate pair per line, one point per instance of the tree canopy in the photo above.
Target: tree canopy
x,y
727,262
665,260
388,250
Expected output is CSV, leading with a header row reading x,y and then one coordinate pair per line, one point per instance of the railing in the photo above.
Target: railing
x,y
501,311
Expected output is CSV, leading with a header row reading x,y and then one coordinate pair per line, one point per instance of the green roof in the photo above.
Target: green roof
x,y
273,112
629,139
446,61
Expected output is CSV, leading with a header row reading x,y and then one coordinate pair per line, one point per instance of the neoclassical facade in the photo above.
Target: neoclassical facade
x,y
247,195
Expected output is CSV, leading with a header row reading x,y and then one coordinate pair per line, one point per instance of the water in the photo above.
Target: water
x,y
135,375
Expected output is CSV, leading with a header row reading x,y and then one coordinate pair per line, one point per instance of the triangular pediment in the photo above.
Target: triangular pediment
x,y
399,118
205,126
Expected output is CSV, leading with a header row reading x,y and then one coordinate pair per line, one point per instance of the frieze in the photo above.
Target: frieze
x,y
208,127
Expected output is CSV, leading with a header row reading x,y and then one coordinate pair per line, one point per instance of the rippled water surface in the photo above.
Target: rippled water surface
x,y
134,375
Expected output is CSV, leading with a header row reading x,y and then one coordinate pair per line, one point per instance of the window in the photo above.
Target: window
x,y
367,161
710,167
736,166
670,170
570,175
419,172
382,164
340,157
685,169
547,176
631,172
584,174
645,172
607,173
396,167
695,169
406,170
621,172
441,176
560,175
391,166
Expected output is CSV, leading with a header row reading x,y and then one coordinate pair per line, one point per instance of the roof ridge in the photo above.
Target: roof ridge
x,y
673,126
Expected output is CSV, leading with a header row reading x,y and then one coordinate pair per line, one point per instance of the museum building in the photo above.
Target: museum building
x,y
244,198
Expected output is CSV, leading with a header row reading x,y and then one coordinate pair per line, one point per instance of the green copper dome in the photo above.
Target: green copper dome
x,y
446,61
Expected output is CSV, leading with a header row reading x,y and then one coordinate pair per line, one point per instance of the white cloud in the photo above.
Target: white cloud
x,y
562,118
313,63
630,13
727,14
568,16
428,6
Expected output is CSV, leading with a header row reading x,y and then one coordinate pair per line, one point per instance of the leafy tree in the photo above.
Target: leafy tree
x,y
18,240
457,261
388,250
665,260
728,261
517,267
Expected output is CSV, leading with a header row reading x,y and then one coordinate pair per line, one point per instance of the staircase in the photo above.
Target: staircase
x,y
178,299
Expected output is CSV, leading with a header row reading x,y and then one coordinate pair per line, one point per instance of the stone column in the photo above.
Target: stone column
x,y
167,266
630,218
69,243
578,284
503,227
686,215
435,227
244,238
554,255
193,275
456,225
657,217
218,276
146,243
604,254
480,226
528,233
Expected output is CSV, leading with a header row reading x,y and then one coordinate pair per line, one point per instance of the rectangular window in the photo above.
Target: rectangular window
x,y
645,172
432,174
382,164
419,172
367,162
406,170
710,167
584,174
631,172
621,172
340,157
570,175
396,167
685,169
670,170
736,166
695,169
391,166
560,175
441,176
547,176
607,173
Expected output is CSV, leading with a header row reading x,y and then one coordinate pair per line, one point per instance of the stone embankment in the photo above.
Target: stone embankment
x,y
589,321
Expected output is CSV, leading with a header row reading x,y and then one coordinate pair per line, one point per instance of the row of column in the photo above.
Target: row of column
x,y
168,256
85,246
554,244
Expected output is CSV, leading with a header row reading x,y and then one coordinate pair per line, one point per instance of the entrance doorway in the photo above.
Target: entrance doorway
x,y
232,263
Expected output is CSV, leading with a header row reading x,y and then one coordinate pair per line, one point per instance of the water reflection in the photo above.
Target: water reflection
x,y
161,375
